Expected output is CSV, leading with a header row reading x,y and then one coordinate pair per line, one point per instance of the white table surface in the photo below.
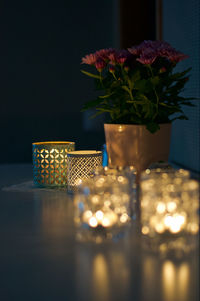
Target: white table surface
x,y
41,260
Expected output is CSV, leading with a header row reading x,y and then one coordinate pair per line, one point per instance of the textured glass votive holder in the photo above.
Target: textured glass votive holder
x,y
50,163
81,165
169,212
129,172
102,208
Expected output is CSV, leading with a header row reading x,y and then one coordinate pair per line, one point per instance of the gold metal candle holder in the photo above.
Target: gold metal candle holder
x,y
81,165
50,163
169,211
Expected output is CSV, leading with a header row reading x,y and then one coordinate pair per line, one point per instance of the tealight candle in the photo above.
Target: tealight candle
x,y
50,163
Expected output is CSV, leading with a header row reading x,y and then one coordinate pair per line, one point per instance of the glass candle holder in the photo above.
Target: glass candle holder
x,y
130,173
169,211
81,165
50,163
102,208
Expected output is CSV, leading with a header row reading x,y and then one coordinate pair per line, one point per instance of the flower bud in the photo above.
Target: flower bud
x,y
111,68
100,65
162,70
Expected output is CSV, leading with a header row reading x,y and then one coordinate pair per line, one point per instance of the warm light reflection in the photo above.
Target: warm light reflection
x,y
169,280
175,281
183,281
56,213
149,270
100,277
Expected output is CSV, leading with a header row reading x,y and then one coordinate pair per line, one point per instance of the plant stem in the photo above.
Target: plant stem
x,y
114,75
157,98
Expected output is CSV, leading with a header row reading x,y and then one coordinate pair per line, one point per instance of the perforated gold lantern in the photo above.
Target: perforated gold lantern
x,y
50,163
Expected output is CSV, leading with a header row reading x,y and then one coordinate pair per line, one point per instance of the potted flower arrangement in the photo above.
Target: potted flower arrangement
x,y
140,93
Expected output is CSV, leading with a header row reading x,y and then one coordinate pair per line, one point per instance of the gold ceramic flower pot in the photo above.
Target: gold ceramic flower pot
x,y
129,144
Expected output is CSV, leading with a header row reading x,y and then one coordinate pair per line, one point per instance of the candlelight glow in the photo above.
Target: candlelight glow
x,y
161,207
145,230
106,222
93,222
99,215
169,210
174,223
171,206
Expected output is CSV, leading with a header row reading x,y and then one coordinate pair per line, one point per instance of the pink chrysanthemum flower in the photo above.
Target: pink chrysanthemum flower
x,y
105,53
122,56
100,64
148,56
172,55
112,58
146,59
148,51
135,50
89,59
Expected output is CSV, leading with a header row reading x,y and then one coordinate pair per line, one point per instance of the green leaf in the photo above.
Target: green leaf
x,y
140,84
106,96
152,127
155,80
126,88
186,103
91,74
135,76
139,102
104,110
165,105
95,115
182,117
177,75
91,104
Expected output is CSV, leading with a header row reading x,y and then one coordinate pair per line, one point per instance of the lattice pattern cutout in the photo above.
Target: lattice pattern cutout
x,y
81,168
50,164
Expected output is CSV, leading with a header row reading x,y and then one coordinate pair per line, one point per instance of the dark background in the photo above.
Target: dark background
x,y
42,89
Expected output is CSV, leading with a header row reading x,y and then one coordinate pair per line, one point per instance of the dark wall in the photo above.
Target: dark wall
x,y
183,32
42,90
